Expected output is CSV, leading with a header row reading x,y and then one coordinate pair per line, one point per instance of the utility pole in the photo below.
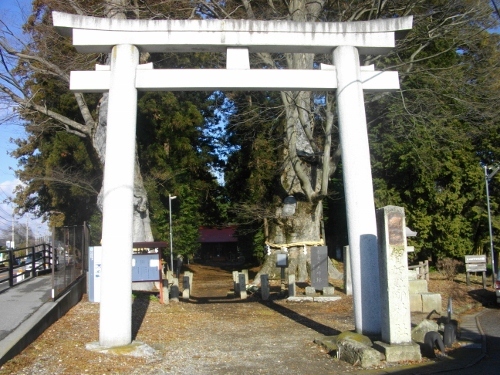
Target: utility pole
x,y
27,235
12,243
488,178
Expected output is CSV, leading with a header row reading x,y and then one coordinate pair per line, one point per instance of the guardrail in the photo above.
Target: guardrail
x,y
24,263
422,270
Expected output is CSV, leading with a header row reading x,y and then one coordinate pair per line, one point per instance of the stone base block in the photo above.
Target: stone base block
x,y
300,299
412,275
356,353
325,299
418,286
399,352
310,291
328,291
415,302
431,302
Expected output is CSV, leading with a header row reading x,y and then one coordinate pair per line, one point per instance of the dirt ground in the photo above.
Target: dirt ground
x,y
215,333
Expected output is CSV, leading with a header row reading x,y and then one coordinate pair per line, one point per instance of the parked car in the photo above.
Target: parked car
x,y
39,262
497,287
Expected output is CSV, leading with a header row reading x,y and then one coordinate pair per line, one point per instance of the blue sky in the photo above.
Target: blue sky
x,y
13,13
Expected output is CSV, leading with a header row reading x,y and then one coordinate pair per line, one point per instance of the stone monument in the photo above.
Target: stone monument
x,y
396,341
319,267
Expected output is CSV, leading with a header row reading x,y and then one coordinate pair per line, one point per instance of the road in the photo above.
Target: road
x,y
490,324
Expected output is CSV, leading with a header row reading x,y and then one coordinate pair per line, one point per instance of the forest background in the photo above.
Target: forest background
x,y
233,157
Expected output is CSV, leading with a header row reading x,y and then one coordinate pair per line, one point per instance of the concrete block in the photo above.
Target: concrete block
x,y
412,275
431,302
399,352
325,299
418,286
310,291
328,290
415,302
357,353
300,299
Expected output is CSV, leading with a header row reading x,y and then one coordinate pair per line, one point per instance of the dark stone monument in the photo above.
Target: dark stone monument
x,y
174,290
242,286
319,267
185,282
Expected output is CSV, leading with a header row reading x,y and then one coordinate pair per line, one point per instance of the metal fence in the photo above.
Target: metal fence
x,y
70,245
65,258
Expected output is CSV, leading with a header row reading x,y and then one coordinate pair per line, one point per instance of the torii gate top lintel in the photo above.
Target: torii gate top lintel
x,y
93,34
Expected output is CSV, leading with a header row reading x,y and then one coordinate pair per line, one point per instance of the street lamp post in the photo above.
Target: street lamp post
x,y
488,178
170,198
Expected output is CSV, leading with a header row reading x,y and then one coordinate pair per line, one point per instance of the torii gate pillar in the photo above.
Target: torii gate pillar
x,y
118,210
358,187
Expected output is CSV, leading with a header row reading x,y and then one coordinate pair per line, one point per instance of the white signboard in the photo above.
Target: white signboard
x,y
146,267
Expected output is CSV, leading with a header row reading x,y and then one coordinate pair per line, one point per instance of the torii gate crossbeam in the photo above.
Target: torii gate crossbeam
x,y
124,39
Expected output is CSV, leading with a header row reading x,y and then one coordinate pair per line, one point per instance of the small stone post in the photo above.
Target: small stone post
x,y
264,287
291,285
397,344
186,287
236,286
174,290
165,291
347,272
245,272
242,286
189,274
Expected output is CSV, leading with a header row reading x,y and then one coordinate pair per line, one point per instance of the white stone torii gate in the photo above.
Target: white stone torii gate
x,y
124,39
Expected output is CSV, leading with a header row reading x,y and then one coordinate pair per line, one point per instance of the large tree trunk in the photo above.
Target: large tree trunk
x,y
307,167
142,225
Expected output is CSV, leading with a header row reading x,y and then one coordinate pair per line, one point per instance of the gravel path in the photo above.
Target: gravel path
x,y
209,334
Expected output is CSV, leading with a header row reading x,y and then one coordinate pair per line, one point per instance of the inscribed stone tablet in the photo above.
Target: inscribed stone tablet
x,y
319,267
396,233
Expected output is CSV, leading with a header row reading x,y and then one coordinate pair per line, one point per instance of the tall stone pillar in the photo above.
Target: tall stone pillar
x,y
360,205
396,341
115,328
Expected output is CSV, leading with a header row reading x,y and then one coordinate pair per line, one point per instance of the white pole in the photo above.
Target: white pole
x,y
360,205
115,328
27,235
12,244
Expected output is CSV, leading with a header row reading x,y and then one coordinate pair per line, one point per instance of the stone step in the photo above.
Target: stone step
x,y
418,286
425,302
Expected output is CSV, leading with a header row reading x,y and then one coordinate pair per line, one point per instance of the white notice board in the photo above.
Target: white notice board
x,y
146,267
